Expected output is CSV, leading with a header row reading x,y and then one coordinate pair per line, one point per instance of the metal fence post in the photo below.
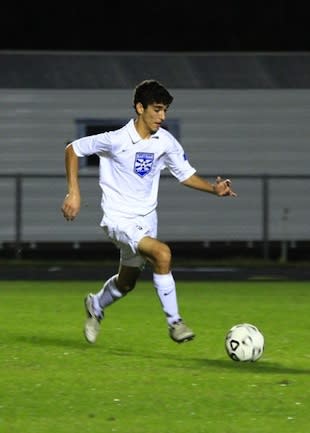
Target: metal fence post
x,y
265,222
18,215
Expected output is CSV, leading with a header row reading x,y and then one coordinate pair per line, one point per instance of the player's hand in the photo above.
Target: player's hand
x,y
223,188
71,206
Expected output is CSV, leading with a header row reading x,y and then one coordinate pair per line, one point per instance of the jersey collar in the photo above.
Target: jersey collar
x,y
135,137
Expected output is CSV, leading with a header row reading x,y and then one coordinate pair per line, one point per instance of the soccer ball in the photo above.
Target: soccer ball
x,y
244,342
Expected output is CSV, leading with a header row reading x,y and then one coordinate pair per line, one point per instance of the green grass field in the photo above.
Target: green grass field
x,y
135,379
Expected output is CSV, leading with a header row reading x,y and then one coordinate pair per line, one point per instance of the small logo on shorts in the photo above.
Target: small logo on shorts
x,y
168,293
143,163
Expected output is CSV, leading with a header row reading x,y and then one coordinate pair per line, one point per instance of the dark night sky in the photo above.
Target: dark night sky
x,y
156,26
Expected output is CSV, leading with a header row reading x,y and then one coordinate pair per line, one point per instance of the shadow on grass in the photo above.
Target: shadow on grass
x,y
48,341
260,366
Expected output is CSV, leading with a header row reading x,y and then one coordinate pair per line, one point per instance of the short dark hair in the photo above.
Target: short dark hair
x,y
151,91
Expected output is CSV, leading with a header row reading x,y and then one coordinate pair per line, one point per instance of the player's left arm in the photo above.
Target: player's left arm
x,y
221,187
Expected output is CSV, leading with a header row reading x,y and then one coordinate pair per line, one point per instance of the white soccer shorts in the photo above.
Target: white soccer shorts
x,y
126,233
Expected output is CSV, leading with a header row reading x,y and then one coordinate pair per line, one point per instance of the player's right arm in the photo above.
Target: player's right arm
x,y
72,202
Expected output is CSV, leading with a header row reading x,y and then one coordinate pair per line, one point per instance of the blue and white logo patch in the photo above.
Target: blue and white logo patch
x,y
143,163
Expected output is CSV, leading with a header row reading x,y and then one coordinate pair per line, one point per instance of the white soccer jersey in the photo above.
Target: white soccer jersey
x,y
130,167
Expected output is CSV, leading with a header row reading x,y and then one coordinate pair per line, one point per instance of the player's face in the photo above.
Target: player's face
x,y
152,117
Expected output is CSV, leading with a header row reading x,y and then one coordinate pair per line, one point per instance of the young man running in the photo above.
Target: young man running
x,y
131,160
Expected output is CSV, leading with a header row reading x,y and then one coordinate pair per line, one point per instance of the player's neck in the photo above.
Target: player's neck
x,y
142,129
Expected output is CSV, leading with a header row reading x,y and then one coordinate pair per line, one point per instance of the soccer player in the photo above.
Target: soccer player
x,y
131,161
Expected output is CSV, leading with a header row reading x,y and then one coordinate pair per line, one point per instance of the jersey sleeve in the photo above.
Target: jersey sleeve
x,y
177,163
93,144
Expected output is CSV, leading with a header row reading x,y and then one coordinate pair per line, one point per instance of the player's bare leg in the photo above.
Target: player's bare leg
x,y
114,289
159,254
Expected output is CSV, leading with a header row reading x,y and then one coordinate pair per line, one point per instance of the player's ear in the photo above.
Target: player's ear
x,y
139,108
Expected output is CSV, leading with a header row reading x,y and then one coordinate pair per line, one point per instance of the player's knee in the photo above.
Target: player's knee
x,y
163,254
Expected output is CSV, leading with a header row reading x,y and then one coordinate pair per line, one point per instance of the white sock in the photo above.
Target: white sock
x,y
166,291
108,294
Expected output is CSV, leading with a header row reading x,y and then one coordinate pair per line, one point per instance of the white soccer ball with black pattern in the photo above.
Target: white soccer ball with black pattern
x,y
244,342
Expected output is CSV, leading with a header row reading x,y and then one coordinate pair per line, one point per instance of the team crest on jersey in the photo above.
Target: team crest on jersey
x,y
143,163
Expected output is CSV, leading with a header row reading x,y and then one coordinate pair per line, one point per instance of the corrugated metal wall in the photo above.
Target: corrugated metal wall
x,y
224,132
